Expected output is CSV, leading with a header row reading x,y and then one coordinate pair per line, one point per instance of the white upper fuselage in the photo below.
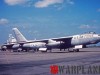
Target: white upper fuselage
x,y
85,39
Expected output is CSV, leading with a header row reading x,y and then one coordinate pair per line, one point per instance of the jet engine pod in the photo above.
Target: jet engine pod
x,y
16,46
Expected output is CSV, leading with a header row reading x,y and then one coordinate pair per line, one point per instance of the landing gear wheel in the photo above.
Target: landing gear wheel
x,y
44,51
76,50
19,49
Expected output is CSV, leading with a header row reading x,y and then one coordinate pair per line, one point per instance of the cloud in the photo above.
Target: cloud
x,y
70,2
3,21
15,2
86,26
46,3
38,3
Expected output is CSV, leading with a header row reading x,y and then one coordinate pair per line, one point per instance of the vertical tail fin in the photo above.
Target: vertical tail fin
x,y
11,40
19,37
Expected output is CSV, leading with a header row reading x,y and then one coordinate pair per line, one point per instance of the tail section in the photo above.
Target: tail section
x,y
19,37
11,40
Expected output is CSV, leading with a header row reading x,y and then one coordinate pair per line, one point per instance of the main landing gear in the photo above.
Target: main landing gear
x,y
75,50
71,50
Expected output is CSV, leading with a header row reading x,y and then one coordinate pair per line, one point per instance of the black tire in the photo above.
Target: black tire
x,y
76,50
3,49
44,51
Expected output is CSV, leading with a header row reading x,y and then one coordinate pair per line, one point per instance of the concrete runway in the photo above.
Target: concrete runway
x,y
29,63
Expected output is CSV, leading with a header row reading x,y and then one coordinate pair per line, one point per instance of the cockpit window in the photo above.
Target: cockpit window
x,y
92,32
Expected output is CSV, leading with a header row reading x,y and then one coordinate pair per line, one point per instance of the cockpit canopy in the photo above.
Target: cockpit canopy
x,y
90,33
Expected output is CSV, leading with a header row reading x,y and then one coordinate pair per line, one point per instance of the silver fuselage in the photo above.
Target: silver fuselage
x,y
85,39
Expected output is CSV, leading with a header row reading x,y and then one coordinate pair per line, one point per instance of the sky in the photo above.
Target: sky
x,y
43,19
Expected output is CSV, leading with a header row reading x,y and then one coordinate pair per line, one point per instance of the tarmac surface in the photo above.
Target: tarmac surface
x,y
29,63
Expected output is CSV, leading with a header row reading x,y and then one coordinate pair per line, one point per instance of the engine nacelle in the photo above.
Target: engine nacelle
x,y
34,45
54,44
28,45
3,48
16,46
